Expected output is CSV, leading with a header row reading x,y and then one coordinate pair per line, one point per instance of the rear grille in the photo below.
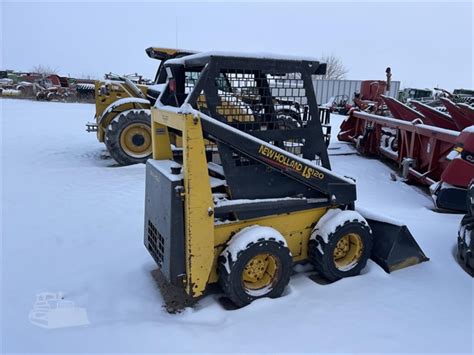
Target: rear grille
x,y
156,243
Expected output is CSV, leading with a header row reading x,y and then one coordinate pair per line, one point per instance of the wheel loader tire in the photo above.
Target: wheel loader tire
x,y
128,137
263,269
346,252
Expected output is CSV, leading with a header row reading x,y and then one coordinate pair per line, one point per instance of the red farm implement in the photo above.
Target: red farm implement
x,y
436,117
440,158
369,98
402,111
462,114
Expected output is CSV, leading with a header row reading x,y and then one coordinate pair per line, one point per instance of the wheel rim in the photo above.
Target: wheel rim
x,y
348,251
261,272
135,140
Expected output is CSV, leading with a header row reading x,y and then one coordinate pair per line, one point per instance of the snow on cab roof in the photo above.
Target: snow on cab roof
x,y
262,55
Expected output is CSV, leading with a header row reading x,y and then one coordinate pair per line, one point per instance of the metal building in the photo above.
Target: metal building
x,y
325,89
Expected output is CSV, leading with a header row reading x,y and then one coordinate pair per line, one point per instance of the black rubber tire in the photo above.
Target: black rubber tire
x,y
115,129
465,254
231,282
324,262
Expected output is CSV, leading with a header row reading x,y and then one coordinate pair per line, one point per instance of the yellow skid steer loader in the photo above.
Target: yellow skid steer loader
x,y
253,192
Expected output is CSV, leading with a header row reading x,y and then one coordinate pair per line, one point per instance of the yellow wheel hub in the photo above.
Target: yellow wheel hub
x,y
135,140
260,272
348,251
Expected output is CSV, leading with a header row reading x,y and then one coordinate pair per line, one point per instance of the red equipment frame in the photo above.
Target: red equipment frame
x,y
438,118
420,150
462,115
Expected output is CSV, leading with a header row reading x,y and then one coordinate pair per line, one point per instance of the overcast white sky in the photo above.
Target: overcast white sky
x,y
427,44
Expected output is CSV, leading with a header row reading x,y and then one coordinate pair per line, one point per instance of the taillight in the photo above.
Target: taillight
x,y
172,85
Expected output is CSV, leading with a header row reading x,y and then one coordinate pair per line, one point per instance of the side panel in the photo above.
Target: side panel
x,y
296,227
164,231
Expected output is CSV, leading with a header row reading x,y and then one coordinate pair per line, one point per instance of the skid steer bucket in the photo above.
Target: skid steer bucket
x,y
394,247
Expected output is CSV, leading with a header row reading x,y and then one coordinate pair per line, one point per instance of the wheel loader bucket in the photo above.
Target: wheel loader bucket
x,y
394,247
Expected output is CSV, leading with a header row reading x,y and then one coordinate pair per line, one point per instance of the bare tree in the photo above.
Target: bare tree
x,y
44,70
335,69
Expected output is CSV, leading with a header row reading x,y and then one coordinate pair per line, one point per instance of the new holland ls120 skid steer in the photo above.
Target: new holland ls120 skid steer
x,y
252,192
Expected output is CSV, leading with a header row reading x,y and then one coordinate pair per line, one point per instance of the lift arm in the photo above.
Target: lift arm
x,y
339,190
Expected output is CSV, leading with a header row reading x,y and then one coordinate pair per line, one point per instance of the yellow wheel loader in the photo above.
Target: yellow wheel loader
x,y
122,118
252,193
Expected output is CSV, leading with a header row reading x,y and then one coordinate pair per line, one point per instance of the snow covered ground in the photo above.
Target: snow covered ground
x,y
73,222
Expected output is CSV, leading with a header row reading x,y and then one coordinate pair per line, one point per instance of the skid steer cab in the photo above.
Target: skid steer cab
x,y
122,117
253,192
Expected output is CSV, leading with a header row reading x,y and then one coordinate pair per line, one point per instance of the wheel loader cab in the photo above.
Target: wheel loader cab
x,y
163,54
253,193
117,87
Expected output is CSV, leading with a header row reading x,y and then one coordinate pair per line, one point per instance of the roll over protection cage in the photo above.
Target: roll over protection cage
x,y
243,103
